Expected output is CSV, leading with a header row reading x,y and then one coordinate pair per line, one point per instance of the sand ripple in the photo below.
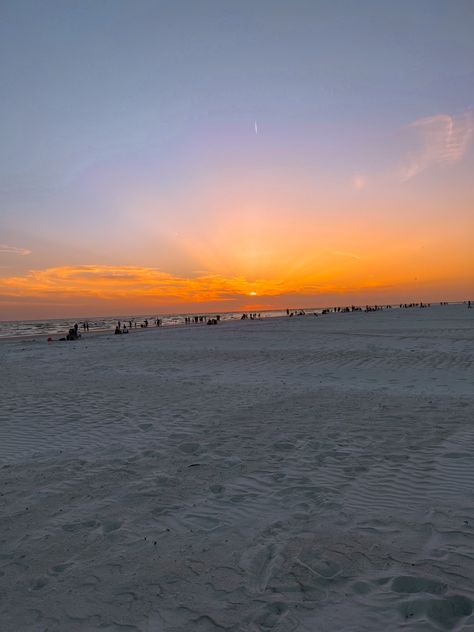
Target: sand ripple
x,y
298,474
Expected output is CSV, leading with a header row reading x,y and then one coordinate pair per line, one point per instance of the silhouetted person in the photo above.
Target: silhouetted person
x,y
73,335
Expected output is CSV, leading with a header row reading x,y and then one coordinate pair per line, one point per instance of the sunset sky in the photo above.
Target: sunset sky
x,y
215,155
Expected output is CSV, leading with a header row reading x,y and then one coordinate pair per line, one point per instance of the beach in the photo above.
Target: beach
x,y
307,473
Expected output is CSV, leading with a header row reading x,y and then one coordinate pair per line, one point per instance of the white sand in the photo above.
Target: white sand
x,y
304,474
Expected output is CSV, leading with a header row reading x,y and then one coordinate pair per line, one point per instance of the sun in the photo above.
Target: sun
x,y
252,293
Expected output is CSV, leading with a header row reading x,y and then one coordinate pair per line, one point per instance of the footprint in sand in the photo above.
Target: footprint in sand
x,y
259,562
445,614
409,584
60,568
39,583
420,599
271,615
217,489
111,525
318,571
201,522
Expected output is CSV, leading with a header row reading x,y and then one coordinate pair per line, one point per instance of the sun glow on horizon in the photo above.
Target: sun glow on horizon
x,y
341,280
318,254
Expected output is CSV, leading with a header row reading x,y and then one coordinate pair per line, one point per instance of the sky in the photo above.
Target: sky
x,y
218,156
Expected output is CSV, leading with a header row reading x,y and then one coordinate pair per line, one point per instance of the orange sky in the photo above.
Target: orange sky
x,y
274,157
252,259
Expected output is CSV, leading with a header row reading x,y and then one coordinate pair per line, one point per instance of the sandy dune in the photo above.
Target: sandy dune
x,y
310,474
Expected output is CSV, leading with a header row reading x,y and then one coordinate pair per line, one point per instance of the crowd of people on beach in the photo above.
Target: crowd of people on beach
x,y
195,320
355,308
122,328
421,305
125,328
72,334
372,308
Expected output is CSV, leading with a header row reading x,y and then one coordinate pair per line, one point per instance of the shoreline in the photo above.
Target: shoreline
x,y
39,337
102,332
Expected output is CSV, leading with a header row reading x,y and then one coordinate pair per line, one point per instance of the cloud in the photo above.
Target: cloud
x,y
440,140
13,250
134,284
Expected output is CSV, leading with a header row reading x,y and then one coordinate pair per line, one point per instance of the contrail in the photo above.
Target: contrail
x,y
256,128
